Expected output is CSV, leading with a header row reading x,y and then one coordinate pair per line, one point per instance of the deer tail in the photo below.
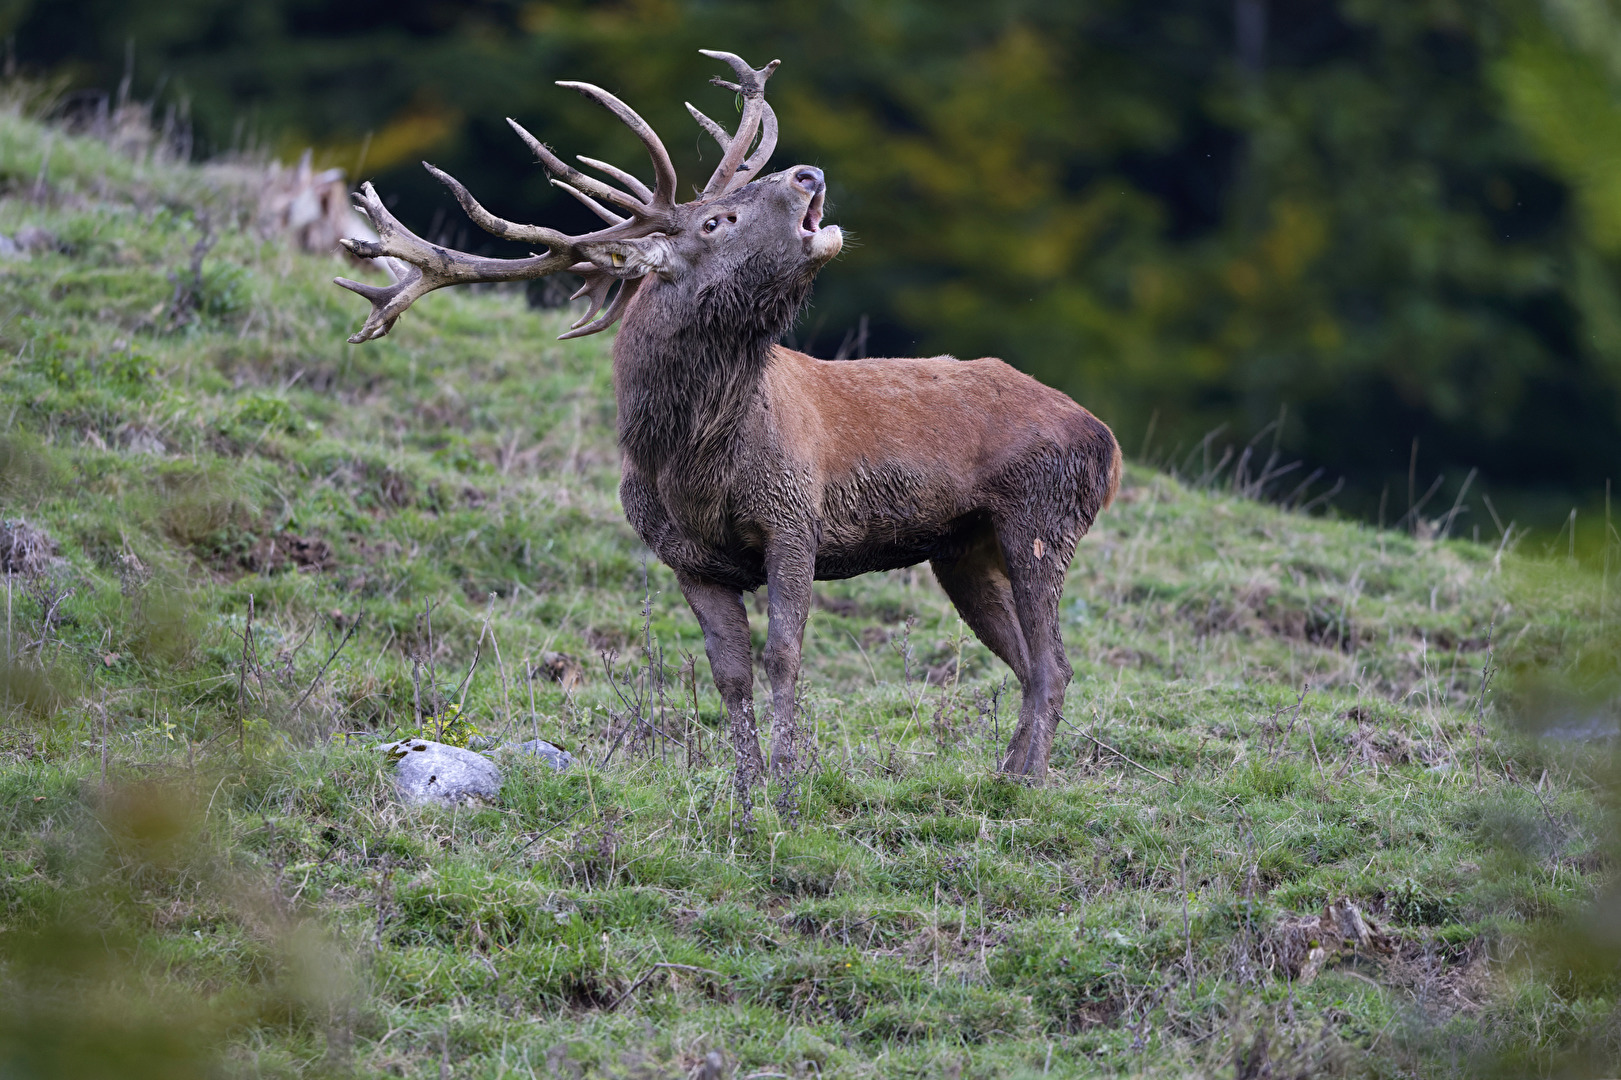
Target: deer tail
x,y
1116,467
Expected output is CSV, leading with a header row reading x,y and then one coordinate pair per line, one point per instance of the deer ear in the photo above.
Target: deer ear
x,y
634,258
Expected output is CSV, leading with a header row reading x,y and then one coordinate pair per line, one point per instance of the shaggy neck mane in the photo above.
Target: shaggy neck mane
x,y
687,366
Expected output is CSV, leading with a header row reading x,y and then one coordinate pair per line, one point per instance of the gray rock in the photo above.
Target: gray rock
x,y
33,238
429,773
557,758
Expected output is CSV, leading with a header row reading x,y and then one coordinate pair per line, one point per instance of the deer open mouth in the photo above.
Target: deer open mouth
x,y
813,217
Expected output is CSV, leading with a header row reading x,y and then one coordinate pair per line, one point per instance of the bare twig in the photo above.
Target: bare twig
x,y
691,668
1457,504
1411,518
103,710
1311,504
1547,811
529,678
334,655
1118,754
478,651
242,682
650,972
435,705
652,675
533,840
1486,669
1312,739
500,667
382,898
905,651
188,287
1187,928
635,709
416,690
1294,715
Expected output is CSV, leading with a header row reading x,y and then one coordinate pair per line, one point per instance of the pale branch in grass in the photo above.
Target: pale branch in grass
x,y
533,840
242,683
1078,730
330,658
1487,668
655,969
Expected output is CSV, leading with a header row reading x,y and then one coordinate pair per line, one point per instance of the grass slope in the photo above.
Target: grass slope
x,y
202,870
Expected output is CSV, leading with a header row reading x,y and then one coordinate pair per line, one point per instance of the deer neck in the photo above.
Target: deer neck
x,y
687,369
681,399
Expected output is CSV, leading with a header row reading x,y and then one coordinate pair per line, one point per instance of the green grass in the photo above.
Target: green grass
x,y
1270,713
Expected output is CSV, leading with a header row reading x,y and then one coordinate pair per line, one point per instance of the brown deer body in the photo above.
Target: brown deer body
x,y
749,464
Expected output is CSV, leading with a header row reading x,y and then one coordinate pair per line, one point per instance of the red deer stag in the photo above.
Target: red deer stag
x,y
749,464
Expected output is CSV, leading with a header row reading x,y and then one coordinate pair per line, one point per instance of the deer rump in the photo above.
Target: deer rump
x,y
748,464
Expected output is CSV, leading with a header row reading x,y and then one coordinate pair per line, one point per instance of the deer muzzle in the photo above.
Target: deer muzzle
x,y
821,242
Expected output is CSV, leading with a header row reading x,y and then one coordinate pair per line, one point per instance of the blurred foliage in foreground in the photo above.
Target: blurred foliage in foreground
x,y
1400,218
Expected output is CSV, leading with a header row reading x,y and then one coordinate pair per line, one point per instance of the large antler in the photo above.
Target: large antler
x,y
733,171
428,266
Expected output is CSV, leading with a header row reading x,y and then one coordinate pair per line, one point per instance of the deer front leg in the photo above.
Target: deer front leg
x,y
731,662
790,569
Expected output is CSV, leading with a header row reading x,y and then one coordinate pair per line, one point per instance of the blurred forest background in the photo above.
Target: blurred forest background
x,y
1398,219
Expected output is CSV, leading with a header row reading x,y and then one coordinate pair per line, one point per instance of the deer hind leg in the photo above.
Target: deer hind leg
x,y
725,624
1037,561
977,582
979,585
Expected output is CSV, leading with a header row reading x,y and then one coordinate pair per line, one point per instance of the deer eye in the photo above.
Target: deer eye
x,y
712,224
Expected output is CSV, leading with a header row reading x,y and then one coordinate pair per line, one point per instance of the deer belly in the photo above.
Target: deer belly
x,y
884,519
854,561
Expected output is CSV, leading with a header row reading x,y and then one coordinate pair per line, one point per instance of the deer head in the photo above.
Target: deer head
x,y
736,236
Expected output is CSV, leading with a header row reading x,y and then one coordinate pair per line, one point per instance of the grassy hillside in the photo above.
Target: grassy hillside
x,y
240,550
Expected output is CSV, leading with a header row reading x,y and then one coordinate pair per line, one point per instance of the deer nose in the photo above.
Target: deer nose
x,y
810,178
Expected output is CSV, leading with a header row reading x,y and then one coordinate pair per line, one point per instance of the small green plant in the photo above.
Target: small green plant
x,y
263,410
66,366
451,727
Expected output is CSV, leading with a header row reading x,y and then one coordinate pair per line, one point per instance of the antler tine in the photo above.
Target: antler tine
x,y
384,311
585,270
716,132
560,168
430,267
663,171
752,79
637,188
597,208
627,290
751,84
597,286
762,153
507,230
